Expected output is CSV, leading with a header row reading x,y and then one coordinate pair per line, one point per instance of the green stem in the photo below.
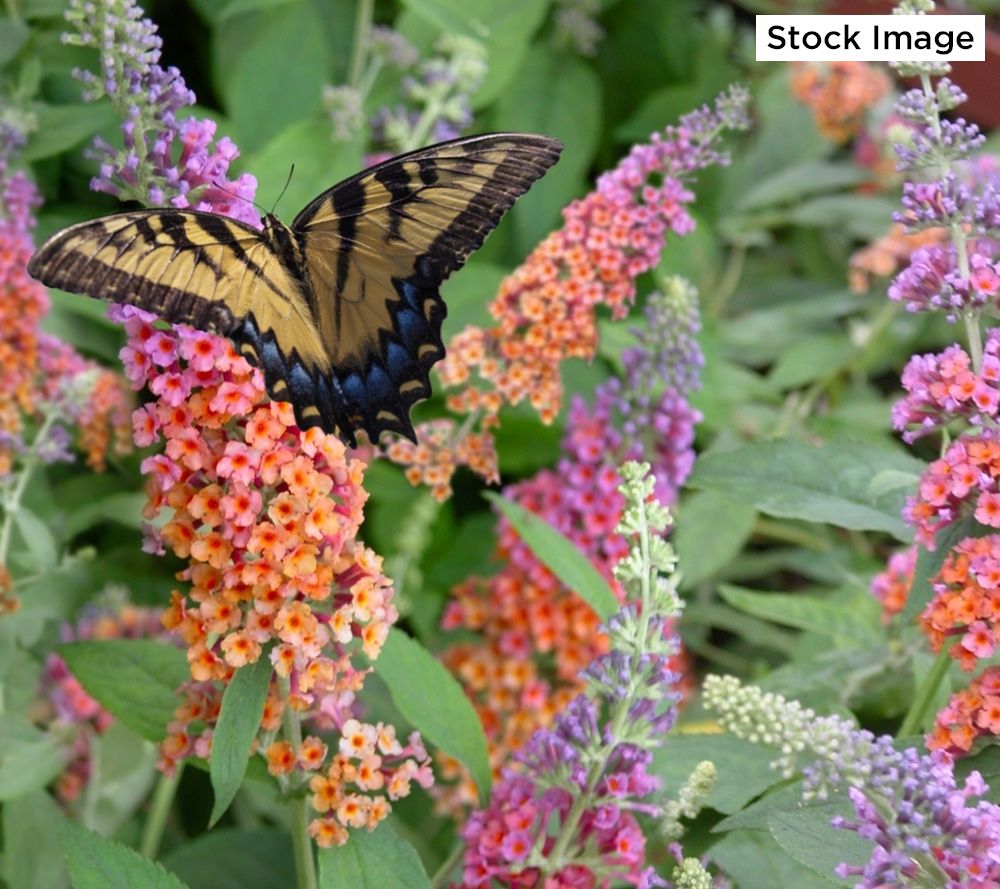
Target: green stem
x,y
975,336
727,284
362,41
305,863
13,496
12,9
159,811
441,875
88,814
925,695
422,129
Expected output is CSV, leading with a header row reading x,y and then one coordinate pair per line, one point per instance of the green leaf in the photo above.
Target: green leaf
x,y
832,677
987,763
829,482
124,775
781,797
271,67
44,8
37,538
227,858
863,217
434,703
743,769
29,759
239,722
557,553
380,859
796,182
711,530
319,164
238,7
764,335
810,359
97,863
123,508
816,614
558,95
28,863
807,835
61,127
929,563
520,424
13,35
760,863
468,295
134,679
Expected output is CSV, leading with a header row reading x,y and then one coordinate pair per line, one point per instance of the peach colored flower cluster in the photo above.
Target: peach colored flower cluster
x,y
267,517
38,370
839,93
546,310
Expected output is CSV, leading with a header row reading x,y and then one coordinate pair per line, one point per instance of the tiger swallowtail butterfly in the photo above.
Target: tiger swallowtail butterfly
x,y
340,310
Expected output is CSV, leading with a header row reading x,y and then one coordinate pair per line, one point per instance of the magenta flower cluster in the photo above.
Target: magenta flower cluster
x,y
943,387
927,829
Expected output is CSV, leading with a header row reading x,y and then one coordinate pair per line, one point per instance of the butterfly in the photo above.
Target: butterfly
x,y
341,310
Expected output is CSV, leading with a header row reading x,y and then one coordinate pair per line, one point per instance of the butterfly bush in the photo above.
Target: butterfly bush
x,y
435,93
953,392
546,309
927,829
46,387
576,25
163,159
568,810
523,614
62,706
265,515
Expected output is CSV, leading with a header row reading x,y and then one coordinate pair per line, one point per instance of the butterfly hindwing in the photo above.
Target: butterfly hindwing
x,y
376,248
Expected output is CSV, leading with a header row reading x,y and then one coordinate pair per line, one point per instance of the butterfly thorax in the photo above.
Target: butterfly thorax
x,y
282,240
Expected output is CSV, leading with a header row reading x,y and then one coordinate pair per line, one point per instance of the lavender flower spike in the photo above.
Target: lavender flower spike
x,y
926,830
565,812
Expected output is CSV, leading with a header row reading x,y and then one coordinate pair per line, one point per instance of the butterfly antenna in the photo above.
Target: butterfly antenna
x,y
238,197
288,181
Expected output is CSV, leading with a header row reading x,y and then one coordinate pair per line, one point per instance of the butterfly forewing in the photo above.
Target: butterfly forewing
x,y
378,246
342,311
